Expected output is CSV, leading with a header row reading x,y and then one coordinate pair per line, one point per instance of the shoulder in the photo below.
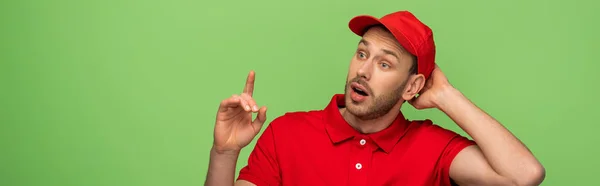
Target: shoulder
x,y
298,121
433,134
297,117
438,145
427,127
436,142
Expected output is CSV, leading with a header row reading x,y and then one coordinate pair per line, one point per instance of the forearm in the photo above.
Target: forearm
x,y
507,155
221,168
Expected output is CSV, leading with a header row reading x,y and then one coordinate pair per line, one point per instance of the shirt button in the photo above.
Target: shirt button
x,y
363,142
358,166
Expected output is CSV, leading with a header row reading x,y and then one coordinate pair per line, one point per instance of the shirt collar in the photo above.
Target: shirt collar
x,y
339,130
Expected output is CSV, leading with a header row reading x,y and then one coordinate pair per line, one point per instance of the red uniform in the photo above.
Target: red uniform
x,y
319,147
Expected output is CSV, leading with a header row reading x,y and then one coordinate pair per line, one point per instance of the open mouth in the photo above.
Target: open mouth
x,y
359,89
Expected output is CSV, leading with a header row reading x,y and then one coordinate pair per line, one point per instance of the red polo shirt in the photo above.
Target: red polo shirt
x,y
320,148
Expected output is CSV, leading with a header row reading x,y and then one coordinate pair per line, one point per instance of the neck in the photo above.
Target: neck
x,y
371,125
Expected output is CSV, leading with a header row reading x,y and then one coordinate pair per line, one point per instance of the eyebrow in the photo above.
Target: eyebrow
x,y
363,41
389,52
392,53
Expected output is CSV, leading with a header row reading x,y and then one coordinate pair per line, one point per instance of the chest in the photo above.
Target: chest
x,y
357,162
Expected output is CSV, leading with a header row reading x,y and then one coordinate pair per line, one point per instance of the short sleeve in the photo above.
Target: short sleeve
x,y
455,145
263,167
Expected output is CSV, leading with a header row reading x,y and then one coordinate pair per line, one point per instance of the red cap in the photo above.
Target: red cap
x,y
412,34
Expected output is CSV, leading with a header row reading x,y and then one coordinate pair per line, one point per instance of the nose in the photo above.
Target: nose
x,y
365,69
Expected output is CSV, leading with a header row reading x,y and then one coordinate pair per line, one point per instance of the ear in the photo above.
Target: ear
x,y
414,85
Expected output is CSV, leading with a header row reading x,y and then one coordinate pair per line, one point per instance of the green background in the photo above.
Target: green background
x,y
125,92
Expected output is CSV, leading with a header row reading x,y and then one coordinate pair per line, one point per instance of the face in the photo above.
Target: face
x,y
377,76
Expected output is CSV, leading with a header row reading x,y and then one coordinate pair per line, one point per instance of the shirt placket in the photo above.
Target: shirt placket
x,y
360,163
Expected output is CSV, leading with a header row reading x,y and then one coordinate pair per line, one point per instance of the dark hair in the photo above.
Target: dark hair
x,y
414,69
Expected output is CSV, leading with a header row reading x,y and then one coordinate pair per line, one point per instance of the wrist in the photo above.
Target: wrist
x,y
224,152
448,95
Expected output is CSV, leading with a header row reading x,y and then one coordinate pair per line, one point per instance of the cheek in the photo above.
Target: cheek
x,y
385,85
352,69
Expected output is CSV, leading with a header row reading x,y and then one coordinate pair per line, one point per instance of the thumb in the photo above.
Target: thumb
x,y
260,119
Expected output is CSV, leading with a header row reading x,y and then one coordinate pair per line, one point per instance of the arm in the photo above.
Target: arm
x,y
221,169
234,129
499,157
262,167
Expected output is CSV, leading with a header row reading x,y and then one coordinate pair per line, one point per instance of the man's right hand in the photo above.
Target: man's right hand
x,y
234,127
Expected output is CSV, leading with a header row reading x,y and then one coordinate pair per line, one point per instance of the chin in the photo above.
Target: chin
x,y
356,109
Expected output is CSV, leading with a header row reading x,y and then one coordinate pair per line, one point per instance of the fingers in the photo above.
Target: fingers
x,y
237,101
244,101
249,88
250,103
231,102
416,102
261,117
244,104
426,87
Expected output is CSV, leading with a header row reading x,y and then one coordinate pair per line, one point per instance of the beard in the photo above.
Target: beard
x,y
375,105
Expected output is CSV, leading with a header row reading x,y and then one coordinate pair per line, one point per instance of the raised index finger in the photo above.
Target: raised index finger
x,y
249,88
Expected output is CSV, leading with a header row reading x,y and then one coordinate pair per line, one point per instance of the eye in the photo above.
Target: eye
x,y
362,55
385,65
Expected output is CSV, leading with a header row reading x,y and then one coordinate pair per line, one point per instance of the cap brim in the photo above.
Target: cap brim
x,y
358,24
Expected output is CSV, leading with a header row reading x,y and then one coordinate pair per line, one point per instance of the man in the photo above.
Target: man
x,y
361,137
